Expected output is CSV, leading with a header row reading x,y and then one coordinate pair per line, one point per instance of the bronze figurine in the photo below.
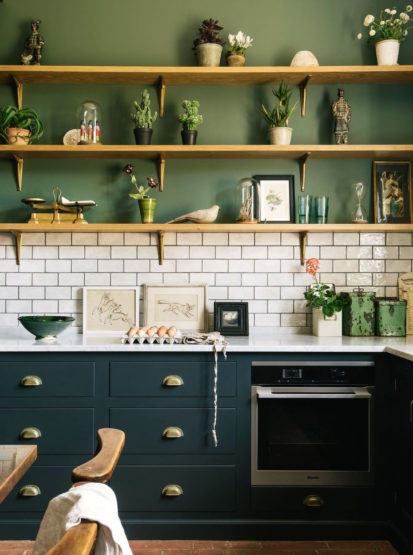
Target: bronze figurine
x,y
32,53
341,110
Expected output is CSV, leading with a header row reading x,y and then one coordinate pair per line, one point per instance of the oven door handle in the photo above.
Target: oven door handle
x,y
280,393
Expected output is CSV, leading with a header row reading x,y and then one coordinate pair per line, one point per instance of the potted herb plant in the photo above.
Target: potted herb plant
x,y
190,120
278,117
20,126
326,305
238,44
147,204
144,119
388,31
208,45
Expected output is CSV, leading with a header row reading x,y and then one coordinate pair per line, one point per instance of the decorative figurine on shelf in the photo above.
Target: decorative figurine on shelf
x,y
206,216
359,215
32,53
341,110
89,126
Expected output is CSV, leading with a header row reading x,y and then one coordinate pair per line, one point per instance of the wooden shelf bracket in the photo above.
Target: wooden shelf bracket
x,y
19,171
161,247
19,92
303,170
303,94
18,245
303,246
161,172
162,95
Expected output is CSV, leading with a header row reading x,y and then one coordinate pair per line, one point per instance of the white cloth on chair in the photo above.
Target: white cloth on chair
x,y
90,501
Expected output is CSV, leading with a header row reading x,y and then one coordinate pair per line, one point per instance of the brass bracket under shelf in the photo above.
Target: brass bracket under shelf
x,y
303,94
19,241
303,246
19,92
161,246
162,95
19,171
303,168
161,172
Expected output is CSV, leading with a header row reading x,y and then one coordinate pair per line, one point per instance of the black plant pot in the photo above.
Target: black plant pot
x,y
143,136
189,136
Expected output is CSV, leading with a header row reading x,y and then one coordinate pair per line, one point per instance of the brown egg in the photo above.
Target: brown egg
x,y
172,331
151,331
162,331
133,331
142,332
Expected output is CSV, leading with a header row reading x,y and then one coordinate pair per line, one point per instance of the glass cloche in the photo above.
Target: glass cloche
x,y
90,123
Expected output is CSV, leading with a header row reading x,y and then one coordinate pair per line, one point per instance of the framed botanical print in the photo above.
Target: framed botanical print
x,y
275,198
231,318
110,310
182,306
392,188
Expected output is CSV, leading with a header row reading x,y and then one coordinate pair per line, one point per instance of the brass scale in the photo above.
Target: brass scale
x,y
57,212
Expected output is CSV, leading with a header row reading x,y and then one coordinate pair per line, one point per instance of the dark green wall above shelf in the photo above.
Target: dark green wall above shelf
x,y
160,33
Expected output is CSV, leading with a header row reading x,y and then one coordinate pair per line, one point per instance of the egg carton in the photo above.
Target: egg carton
x,y
151,339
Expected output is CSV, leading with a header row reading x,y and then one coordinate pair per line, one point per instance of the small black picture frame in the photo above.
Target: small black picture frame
x,y
231,318
276,198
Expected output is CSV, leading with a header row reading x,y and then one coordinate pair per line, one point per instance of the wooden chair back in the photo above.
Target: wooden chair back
x,y
80,540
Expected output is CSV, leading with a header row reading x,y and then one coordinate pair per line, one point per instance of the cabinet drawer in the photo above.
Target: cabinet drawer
x,y
43,379
147,430
150,379
63,431
348,503
51,481
139,488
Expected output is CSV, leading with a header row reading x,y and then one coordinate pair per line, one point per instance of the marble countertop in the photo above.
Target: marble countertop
x,y
18,340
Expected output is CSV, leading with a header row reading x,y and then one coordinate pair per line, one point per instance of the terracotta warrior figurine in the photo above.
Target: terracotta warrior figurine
x,y
341,110
33,46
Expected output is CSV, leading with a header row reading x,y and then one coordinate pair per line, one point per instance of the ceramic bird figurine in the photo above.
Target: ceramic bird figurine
x,y
206,216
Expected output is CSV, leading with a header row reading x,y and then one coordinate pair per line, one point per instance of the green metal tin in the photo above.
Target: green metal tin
x,y
359,313
391,317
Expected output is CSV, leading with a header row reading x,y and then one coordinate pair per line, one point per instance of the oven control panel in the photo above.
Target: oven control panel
x,y
305,373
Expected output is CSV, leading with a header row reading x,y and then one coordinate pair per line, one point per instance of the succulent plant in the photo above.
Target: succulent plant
x,y
191,118
23,118
282,111
209,33
143,116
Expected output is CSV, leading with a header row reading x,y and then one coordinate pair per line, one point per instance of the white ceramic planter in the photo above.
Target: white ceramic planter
x,y
327,327
209,54
280,135
387,52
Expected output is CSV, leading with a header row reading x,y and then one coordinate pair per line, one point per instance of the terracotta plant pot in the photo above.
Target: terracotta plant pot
x,y
143,136
147,209
327,327
189,136
387,52
280,135
18,136
235,60
209,54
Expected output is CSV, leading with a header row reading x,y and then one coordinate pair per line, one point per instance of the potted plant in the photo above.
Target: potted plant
x,y
20,126
147,205
278,117
237,46
387,31
144,119
326,305
208,45
190,120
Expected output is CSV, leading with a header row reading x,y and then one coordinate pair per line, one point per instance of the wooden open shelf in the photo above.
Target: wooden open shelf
x,y
249,75
18,229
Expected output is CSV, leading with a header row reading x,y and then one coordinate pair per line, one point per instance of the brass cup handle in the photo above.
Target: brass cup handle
x,y
30,433
172,432
31,381
29,490
172,490
313,501
172,381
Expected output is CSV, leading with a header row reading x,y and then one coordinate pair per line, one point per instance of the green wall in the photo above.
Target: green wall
x,y
160,32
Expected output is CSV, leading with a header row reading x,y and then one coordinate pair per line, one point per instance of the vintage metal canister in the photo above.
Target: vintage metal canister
x,y
359,313
391,317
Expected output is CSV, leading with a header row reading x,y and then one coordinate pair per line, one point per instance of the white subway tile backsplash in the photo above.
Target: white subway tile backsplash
x,y
263,269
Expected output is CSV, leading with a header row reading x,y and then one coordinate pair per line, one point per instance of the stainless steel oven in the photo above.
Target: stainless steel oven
x,y
312,423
